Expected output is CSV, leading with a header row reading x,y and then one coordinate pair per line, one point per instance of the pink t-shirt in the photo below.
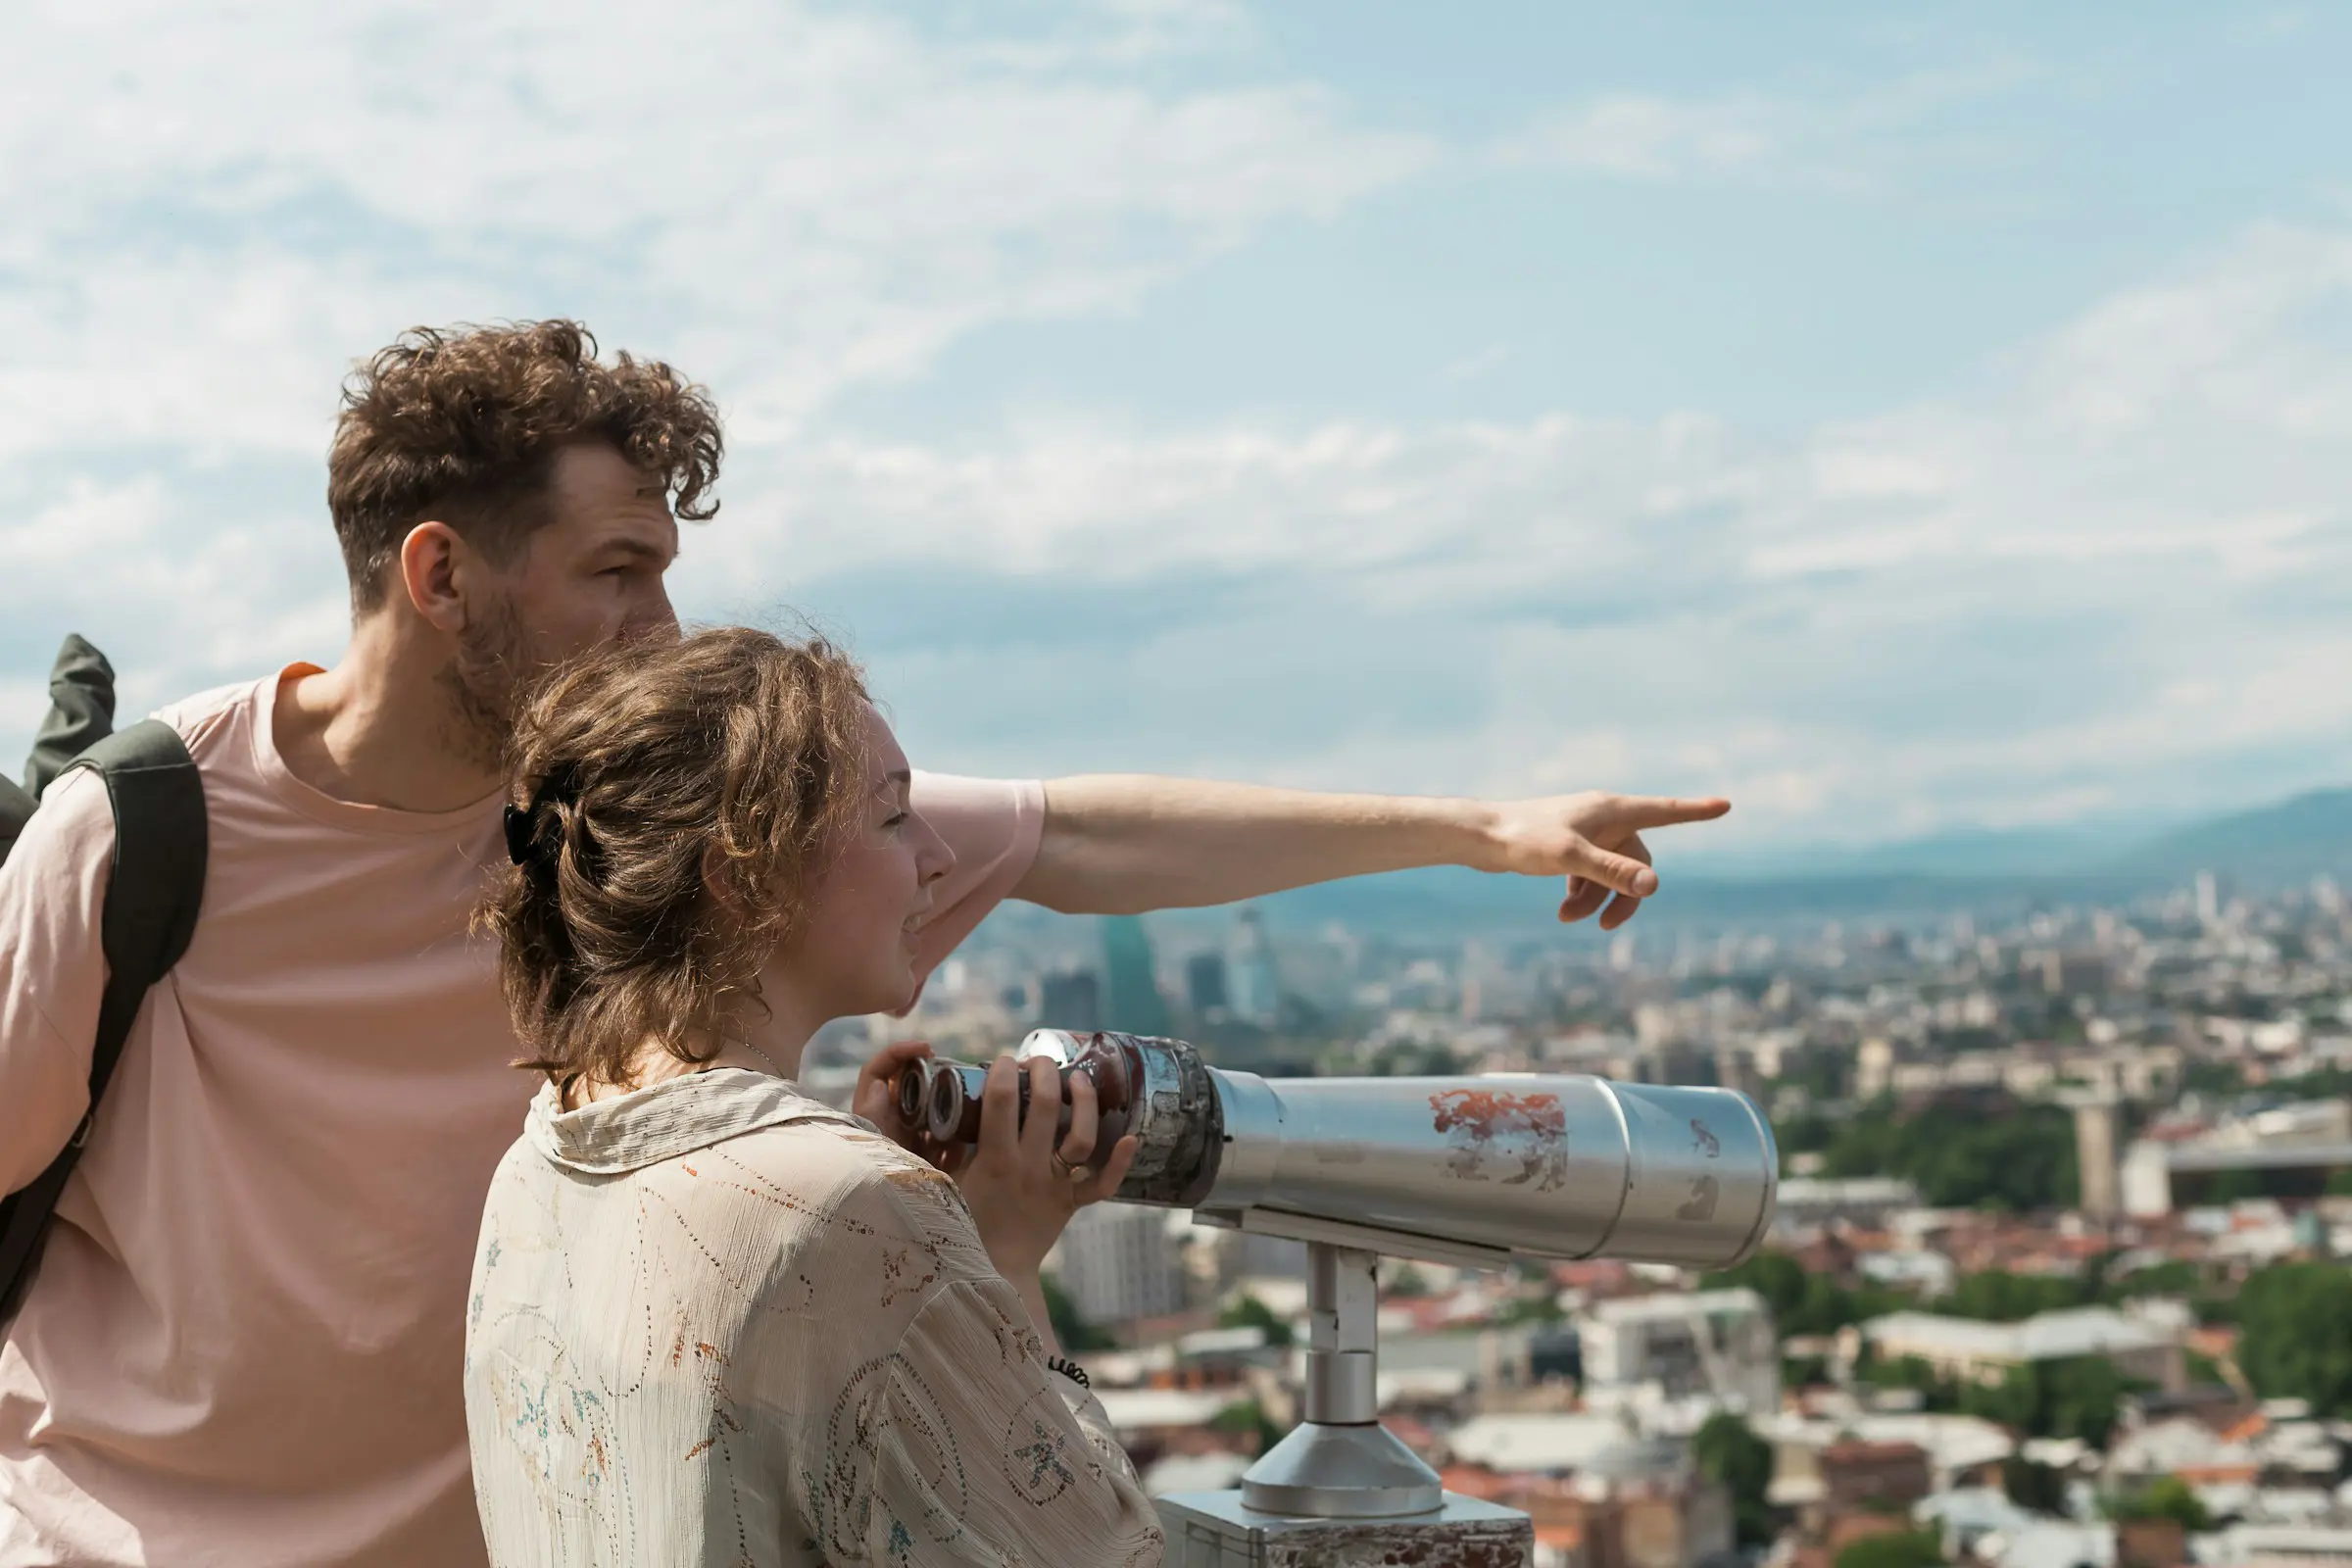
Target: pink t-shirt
x,y
244,1343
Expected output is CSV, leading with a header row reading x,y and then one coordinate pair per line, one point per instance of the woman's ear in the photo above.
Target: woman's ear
x,y
715,880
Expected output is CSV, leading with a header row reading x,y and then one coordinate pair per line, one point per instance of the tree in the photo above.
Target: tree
x,y
2035,1487
2074,1397
1803,1301
2295,1334
1808,1132
1248,1418
1893,1548
1997,1295
1076,1334
1252,1313
2165,1497
2172,1277
1729,1453
2236,1186
2021,1160
1542,1307
1935,1391
1407,1283
2217,1078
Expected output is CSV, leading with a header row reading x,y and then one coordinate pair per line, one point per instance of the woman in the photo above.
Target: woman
x,y
716,1321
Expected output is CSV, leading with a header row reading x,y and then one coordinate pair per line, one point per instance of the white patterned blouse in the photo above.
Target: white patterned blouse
x,y
717,1322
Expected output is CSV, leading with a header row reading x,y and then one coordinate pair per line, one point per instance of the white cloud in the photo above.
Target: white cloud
x,y
1984,610
1816,138
1653,138
1973,610
213,212
210,212
2114,571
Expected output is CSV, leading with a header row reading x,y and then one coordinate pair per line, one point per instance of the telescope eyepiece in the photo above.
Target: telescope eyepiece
x,y
912,1091
950,1097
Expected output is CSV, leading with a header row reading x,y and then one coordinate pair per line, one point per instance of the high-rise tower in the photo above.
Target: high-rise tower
x,y
1253,987
1131,998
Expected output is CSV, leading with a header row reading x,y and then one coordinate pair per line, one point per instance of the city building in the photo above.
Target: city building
x,y
1071,998
1205,989
1962,1450
1118,1262
1807,1202
1967,1350
1858,1476
1719,1344
1632,1511
1131,995
2072,975
1552,1443
1642,1505
2095,1162
2287,1152
1254,985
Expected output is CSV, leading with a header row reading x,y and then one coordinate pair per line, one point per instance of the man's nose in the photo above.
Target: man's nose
x,y
653,619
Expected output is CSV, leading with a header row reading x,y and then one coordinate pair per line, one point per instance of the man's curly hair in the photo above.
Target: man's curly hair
x,y
462,426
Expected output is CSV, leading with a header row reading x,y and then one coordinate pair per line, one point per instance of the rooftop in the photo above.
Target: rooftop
x,y
2045,1337
1529,1441
1134,1411
1673,1305
1861,1450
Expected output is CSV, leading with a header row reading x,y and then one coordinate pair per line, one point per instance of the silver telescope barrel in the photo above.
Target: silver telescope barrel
x,y
1535,1165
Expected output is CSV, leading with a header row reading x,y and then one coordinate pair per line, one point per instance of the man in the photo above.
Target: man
x,y
243,1346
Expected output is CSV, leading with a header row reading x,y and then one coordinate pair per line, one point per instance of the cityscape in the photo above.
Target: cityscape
x,y
2053,1281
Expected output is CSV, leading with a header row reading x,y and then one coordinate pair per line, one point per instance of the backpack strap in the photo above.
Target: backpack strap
x,y
15,810
150,917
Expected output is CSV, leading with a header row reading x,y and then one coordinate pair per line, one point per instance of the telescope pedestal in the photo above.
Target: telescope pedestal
x,y
1341,1462
1341,1487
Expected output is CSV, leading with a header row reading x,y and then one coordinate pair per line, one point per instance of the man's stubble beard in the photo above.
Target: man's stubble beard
x,y
485,685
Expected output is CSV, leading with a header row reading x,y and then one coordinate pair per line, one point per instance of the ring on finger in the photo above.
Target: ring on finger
x,y
1068,1171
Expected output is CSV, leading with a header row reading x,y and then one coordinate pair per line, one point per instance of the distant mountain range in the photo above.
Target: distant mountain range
x,y
1985,871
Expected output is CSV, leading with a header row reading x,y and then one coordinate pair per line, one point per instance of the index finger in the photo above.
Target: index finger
x,y
886,1062
1664,810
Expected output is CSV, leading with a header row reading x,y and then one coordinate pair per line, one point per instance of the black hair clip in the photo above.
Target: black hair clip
x,y
518,835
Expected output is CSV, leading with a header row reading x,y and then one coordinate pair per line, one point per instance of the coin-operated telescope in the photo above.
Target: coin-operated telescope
x,y
1476,1171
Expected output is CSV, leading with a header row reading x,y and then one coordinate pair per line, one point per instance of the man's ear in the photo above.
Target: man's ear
x,y
431,558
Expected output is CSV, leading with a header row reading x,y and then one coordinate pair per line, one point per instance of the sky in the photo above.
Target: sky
x,y
1897,420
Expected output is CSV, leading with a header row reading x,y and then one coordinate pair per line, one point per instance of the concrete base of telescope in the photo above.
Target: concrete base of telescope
x,y
1214,1530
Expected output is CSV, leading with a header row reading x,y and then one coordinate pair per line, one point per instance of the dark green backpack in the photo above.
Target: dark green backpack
x,y
150,897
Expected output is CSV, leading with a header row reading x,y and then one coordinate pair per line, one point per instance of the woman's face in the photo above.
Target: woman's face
x,y
855,954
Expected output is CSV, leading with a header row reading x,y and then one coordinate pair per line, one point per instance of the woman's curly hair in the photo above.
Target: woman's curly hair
x,y
673,806
462,425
